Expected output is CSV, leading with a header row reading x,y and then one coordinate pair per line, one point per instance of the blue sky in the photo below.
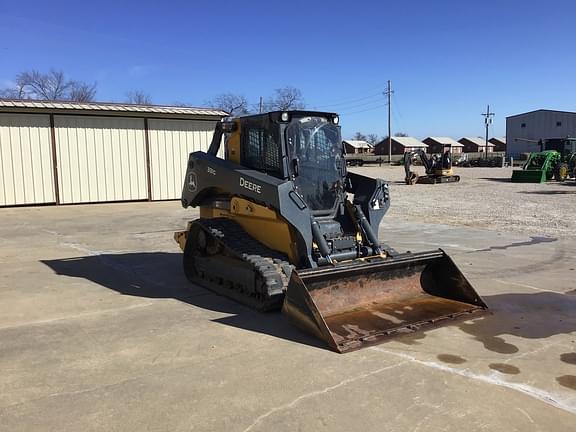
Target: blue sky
x,y
446,59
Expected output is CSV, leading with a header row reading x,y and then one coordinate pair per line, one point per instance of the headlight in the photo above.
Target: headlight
x,y
335,120
285,117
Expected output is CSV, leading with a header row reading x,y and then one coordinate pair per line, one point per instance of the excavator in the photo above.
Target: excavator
x,y
284,225
438,168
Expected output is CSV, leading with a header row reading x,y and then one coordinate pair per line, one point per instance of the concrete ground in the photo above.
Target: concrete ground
x,y
99,331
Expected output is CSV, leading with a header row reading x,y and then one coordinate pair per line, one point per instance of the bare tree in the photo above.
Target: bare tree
x,y
232,103
286,98
82,92
400,134
372,138
359,136
181,104
37,85
138,97
10,93
49,86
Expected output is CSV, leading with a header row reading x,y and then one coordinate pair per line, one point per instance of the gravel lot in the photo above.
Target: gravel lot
x,y
486,198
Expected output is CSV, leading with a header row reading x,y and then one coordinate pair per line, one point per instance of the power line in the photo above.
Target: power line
x,y
349,101
365,110
367,104
388,93
487,122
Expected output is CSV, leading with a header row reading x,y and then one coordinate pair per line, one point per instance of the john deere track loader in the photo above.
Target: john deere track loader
x,y
284,225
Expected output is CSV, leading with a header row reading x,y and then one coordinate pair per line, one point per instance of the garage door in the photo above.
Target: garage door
x,y
170,143
26,164
100,159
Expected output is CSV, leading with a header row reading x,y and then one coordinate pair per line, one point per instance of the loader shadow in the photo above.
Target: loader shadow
x,y
159,275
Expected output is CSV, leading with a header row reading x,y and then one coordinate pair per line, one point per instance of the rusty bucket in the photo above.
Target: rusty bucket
x,y
356,304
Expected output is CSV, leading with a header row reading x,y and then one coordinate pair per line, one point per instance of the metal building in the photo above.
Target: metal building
x,y
68,152
524,130
357,146
400,145
436,144
475,145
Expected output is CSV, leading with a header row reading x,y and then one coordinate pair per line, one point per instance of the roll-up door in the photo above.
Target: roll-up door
x,y
26,163
100,159
170,143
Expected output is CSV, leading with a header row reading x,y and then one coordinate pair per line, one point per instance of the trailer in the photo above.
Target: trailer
x,y
359,159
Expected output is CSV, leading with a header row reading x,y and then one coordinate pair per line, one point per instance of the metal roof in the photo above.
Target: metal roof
x,y
359,143
106,106
480,142
446,140
541,110
501,140
409,142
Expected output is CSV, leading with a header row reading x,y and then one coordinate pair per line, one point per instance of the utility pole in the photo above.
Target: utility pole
x,y
487,122
388,93
260,106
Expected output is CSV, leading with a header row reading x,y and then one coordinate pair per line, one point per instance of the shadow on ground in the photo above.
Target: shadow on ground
x,y
159,275
549,192
497,179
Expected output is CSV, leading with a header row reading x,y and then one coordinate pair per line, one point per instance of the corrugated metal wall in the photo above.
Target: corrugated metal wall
x,y
170,143
537,125
26,165
100,159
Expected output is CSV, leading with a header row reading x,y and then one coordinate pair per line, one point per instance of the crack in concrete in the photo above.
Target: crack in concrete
x,y
526,415
119,383
72,317
494,379
526,286
318,392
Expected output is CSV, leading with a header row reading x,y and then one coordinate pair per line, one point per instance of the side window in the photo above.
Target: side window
x,y
260,151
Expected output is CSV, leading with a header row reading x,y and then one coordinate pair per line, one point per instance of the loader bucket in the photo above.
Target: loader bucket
x,y
528,176
356,304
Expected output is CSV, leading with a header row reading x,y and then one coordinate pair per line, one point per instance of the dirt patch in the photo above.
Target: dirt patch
x,y
568,381
504,368
569,358
451,359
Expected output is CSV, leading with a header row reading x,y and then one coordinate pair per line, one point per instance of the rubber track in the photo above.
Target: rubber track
x,y
271,265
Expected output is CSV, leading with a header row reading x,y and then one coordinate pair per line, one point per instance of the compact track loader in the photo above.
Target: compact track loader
x,y
284,225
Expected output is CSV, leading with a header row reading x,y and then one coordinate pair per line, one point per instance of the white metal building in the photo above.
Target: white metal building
x,y
524,130
357,146
67,152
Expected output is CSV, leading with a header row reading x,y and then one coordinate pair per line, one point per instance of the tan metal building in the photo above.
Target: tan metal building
x,y
67,152
400,145
475,145
436,144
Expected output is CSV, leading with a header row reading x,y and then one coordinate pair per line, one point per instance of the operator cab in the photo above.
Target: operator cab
x,y
302,146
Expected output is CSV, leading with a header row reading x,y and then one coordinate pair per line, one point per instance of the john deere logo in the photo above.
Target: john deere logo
x,y
192,182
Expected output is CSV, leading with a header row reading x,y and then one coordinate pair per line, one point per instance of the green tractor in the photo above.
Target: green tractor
x,y
556,160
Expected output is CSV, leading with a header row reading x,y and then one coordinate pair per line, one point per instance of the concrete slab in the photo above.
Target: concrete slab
x,y
99,330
